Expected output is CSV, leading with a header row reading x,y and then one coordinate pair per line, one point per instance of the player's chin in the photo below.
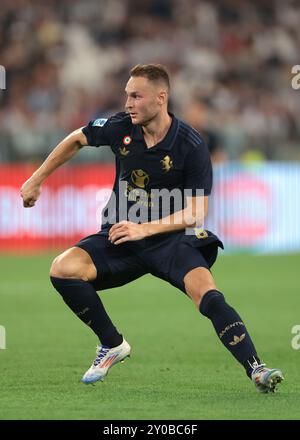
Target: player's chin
x,y
135,118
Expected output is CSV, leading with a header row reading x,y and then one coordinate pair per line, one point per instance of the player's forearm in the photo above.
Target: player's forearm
x,y
61,154
174,222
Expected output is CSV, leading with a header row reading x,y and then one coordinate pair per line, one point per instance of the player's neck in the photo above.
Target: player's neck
x,y
156,130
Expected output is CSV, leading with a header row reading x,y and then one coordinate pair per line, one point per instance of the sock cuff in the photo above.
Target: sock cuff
x,y
66,282
208,300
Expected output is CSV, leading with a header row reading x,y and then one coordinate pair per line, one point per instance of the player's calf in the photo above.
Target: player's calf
x,y
70,274
232,332
197,282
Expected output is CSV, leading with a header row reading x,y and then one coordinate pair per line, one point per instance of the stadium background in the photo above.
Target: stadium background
x,y
230,63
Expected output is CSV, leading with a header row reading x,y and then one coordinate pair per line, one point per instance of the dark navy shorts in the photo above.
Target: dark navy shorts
x,y
167,256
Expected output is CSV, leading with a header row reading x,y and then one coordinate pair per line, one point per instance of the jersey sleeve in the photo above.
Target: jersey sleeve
x,y
97,132
198,170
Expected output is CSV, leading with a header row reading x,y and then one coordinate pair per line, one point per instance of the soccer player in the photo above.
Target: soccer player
x,y
154,152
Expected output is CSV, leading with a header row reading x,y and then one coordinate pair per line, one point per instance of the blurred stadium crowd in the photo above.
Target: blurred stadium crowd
x,y
230,61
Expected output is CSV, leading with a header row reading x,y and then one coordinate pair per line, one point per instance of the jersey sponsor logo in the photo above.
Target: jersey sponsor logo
x,y
127,140
140,178
123,151
99,122
167,163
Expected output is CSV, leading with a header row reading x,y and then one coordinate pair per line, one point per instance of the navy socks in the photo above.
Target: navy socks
x,y
84,301
230,329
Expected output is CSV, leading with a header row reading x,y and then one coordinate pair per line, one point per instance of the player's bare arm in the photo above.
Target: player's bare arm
x,y
64,151
193,215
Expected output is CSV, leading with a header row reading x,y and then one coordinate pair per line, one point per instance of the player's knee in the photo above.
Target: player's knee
x,y
63,267
60,268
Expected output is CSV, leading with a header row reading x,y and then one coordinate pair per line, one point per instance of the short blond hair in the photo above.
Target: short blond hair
x,y
153,72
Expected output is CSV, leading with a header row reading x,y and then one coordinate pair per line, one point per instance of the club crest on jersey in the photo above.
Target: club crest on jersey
x,y
99,122
127,140
167,163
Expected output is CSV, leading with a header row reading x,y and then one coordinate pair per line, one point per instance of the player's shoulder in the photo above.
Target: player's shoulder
x,y
190,136
121,118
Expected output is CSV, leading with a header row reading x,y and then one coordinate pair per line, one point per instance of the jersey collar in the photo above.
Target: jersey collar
x,y
166,143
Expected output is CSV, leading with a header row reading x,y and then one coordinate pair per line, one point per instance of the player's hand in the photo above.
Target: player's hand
x,y
30,192
127,231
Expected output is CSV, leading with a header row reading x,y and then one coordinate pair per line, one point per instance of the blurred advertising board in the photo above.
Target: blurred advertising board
x,y
252,208
68,209
256,207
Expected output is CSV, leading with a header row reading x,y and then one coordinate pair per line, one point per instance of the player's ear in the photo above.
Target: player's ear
x,y
162,97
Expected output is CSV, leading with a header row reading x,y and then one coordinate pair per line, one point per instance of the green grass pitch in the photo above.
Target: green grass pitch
x,y
178,368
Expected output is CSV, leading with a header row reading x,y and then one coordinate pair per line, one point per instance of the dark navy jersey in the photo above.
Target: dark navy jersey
x,y
146,177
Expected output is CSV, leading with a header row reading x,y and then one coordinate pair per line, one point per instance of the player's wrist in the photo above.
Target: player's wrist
x,y
36,181
39,176
148,229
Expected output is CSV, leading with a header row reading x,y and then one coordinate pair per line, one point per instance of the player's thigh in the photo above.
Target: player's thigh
x,y
190,271
74,263
115,265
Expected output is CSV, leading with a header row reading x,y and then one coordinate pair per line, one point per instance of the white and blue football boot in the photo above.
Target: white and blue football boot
x,y
266,379
106,358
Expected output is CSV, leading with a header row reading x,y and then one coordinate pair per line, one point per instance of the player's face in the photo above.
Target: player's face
x,y
144,100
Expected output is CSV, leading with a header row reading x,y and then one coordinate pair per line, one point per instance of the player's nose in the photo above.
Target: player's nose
x,y
128,104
